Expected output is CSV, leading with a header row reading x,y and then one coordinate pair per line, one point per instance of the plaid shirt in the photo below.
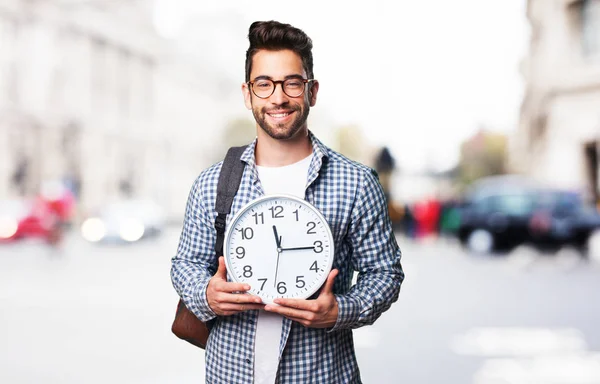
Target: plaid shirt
x,y
351,199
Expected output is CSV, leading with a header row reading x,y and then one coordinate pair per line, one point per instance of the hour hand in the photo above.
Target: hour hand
x,y
277,238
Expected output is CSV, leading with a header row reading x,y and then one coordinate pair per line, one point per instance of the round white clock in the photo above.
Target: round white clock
x,y
281,246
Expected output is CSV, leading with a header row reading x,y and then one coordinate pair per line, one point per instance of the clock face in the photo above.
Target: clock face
x,y
281,246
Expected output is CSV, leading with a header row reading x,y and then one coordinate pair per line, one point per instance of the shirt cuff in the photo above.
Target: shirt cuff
x,y
205,312
348,312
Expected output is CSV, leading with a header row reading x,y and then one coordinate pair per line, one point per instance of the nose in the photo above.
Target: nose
x,y
278,97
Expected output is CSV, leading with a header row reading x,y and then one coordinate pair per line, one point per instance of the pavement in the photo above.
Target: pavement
x,y
89,313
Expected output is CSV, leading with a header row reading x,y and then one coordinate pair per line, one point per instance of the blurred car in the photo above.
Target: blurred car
x,y
561,217
505,211
21,219
124,221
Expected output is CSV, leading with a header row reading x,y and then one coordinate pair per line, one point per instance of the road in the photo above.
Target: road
x,y
102,314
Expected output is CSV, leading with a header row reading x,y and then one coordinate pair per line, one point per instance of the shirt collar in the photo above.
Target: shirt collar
x,y
319,150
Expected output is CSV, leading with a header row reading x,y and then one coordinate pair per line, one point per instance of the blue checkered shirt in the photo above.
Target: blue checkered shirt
x,y
351,199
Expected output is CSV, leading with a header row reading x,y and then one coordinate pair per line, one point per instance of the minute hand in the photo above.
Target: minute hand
x,y
296,248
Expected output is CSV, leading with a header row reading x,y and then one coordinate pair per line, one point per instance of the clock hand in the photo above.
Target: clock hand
x,y
296,248
277,238
276,266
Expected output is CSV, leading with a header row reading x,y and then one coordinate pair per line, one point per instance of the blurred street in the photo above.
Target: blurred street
x,y
102,314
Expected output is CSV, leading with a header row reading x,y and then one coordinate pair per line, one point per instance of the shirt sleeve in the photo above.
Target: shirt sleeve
x,y
195,262
376,257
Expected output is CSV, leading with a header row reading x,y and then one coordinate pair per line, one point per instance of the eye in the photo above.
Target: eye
x,y
293,84
263,84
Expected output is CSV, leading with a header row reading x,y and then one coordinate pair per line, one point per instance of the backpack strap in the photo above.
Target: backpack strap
x,y
229,182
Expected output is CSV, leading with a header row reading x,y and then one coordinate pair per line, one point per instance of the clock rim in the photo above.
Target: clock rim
x,y
272,197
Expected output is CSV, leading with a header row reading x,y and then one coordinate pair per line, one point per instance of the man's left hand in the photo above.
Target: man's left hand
x,y
319,313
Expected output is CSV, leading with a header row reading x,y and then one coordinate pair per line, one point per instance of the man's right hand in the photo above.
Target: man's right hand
x,y
227,299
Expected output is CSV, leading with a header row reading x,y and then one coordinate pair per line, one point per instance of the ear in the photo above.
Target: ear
x,y
312,93
247,95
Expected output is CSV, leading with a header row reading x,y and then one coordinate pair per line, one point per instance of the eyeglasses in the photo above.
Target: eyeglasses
x,y
293,87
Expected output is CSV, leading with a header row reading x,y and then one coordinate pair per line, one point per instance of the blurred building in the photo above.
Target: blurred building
x,y
481,155
558,140
92,95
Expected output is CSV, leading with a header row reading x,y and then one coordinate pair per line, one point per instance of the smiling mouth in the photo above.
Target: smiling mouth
x,y
280,115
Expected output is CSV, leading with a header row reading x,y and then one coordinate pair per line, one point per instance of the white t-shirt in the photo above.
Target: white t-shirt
x,y
289,180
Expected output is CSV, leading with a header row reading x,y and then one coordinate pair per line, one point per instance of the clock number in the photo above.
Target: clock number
x,y
276,212
281,287
263,283
314,267
248,271
241,252
300,281
318,247
257,215
247,233
311,226
296,213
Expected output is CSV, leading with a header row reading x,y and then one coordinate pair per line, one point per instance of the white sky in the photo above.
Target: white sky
x,y
417,76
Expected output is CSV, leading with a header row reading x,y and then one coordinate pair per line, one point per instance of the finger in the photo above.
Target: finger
x,y
290,312
240,307
328,287
232,287
222,271
304,305
238,298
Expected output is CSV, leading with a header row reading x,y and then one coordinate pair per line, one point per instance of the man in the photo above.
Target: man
x,y
295,341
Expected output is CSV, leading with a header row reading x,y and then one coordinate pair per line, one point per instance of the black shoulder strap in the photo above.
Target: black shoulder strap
x,y
229,182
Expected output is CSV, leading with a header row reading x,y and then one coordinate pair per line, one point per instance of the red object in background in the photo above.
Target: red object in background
x,y
40,217
62,207
427,214
27,219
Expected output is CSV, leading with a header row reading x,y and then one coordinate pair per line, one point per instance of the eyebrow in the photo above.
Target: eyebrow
x,y
294,76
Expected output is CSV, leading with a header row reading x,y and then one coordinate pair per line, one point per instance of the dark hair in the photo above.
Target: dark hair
x,y
275,36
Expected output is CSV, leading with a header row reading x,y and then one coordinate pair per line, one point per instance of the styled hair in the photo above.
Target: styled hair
x,y
275,36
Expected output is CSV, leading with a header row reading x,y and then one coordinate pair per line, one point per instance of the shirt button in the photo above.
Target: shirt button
x,y
248,361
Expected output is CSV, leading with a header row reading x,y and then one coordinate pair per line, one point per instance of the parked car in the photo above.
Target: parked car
x,y
505,211
24,218
124,221
561,217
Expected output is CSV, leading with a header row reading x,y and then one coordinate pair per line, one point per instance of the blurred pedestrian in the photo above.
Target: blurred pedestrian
x,y
300,341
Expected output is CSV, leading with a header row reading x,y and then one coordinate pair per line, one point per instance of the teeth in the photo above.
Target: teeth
x,y
279,114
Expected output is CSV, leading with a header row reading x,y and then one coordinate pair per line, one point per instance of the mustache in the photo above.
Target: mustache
x,y
285,107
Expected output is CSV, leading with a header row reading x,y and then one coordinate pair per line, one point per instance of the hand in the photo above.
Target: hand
x,y
319,313
222,299
297,248
278,243
277,239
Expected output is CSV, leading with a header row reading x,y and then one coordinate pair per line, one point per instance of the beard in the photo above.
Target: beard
x,y
282,131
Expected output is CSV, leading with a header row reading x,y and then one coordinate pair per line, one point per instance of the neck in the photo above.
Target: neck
x,y
271,152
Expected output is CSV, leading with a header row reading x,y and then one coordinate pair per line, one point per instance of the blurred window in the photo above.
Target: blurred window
x,y
517,205
483,205
559,202
590,27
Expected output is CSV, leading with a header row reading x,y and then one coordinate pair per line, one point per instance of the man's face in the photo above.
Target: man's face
x,y
282,117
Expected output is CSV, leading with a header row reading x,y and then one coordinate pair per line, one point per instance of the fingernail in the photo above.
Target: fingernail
x,y
268,307
247,287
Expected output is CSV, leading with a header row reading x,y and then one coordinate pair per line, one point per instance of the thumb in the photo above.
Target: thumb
x,y
222,271
328,287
